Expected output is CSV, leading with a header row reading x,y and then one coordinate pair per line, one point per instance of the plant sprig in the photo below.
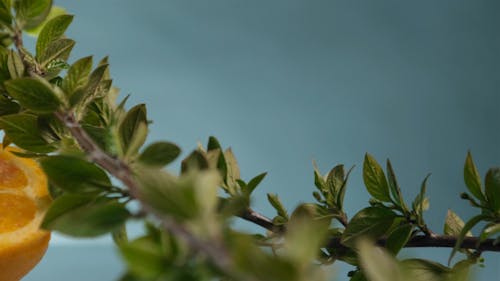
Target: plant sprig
x,y
67,116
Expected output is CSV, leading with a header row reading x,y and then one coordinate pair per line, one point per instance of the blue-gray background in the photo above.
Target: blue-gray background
x,y
286,82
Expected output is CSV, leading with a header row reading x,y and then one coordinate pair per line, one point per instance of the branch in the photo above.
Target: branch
x,y
215,251
421,241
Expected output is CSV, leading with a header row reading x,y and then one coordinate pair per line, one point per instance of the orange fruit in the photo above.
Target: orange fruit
x,y
24,198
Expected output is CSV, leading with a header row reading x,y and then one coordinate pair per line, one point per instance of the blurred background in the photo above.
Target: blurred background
x,y
288,82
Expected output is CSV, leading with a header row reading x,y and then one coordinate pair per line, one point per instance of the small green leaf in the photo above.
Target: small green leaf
x,y
454,224
56,50
159,154
253,183
73,174
15,65
424,270
233,171
370,222
377,264
340,195
421,203
490,230
54,12
398,238
472,178
394,188
467,227
77,76
375,180
31,13
52,30
34,94
213,144
335,179
275,201
161,191
82,97
22,129
492,188
130,124
63,205
86,220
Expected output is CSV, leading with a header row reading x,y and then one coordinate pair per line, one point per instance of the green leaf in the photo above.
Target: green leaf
x,y
8,106
472,178
454,224
64,204
15,65
398,238
492,188
130,124
144,258
56,50
340,195
233,171
213,144
22,129
421,203
253,183
377,264
159,154
54,12
34,94
375,180
77,76
85,219
424,270
161,191
73,174
82,97
467,227
275,201
335,179
490,230
53,30
394,188
370,222
31,13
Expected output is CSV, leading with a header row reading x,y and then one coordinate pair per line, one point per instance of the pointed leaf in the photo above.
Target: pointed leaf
x,y
135,116
454,224
492,188
394,187
277,205
31,13
253,183
87,220
73,174
160,154
472,178
33,94
460,238
398,238
489,231
56,50
22,129
375,180
52,30
15,65
370,222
